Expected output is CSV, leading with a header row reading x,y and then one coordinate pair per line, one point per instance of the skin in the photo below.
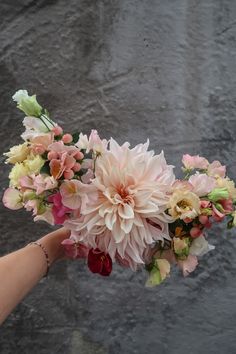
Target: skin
x,y
15,278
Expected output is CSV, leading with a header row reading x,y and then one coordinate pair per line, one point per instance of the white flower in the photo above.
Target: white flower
x,y
19,95
200,246
36,127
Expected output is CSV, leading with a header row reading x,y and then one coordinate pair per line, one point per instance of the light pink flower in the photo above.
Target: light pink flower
x,y
215,169
59,211
93,143
128,214
39,183
75,194
74,249
12,199
39,144
192,162
202,184
188,265
46,216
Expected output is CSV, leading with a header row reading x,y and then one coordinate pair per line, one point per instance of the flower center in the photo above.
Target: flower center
x,y
124,194
184,205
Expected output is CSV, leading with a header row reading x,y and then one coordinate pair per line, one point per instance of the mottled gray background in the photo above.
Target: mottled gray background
x,y
131,69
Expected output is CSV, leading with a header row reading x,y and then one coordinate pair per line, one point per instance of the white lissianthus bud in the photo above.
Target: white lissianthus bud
x,y
200,246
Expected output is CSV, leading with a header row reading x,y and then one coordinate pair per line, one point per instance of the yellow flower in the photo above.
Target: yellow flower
x,y
228,184
184,204
17,153
34,163
18,171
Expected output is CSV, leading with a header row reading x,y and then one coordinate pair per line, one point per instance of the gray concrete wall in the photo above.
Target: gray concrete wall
x,y
131,69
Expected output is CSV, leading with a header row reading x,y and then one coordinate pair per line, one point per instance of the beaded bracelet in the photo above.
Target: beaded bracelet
x,y
45,253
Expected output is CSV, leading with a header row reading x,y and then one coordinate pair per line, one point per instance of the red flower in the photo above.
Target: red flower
x,y
99,262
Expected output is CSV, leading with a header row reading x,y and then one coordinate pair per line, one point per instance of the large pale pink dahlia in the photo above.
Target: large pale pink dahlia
x,y
126,212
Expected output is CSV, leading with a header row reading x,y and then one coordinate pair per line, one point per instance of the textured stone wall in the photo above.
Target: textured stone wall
x,y
131,69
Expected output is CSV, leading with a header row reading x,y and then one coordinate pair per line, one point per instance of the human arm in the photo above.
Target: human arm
x,y
21,270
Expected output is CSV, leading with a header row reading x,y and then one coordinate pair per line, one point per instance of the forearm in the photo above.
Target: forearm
x,y
20,271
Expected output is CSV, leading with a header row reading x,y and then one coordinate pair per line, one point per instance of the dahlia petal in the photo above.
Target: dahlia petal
x,y
125,211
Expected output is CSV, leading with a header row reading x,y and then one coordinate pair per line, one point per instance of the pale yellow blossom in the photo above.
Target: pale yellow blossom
x,y
34,163
19,170
184,204
17,153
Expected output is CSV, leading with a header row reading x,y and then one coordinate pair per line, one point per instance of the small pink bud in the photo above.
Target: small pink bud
x,y
76,167
57,130
79,155
203,219
52,155
195,232
67,138
68,174
188,220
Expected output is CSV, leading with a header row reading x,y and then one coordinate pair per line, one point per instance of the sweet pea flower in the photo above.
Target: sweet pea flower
x,y
93,143
188,265
39,144
200,246
74,249
59,211
99,262
76,194
215,169
202,184
46,216
192,162
12,199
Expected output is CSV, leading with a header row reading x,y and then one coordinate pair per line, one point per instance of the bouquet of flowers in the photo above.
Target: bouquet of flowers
x,y
121,204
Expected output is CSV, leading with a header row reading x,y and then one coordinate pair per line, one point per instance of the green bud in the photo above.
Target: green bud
x,y
218,194
27,104
30,106
154,278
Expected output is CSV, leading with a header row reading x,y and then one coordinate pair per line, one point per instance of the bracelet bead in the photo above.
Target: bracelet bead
x,y
45,253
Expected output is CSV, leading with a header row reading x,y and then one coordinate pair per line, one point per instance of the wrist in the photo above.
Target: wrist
x,y
52,243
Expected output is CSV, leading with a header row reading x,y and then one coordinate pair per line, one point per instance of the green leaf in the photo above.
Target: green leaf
x,y
75,137
46,168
